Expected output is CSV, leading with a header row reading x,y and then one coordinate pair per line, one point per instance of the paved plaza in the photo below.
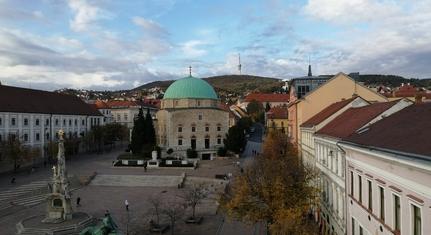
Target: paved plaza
x,y
137,180
113,185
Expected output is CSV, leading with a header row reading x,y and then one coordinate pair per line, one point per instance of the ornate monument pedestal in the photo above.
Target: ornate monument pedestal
x,y
153,163
59,218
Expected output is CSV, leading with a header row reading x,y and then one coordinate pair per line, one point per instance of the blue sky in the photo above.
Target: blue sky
x,y
110,44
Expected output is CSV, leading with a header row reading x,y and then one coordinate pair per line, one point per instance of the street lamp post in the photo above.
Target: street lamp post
x,y
126,203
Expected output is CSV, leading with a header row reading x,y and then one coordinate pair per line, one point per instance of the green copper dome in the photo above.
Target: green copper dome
x,y
190,87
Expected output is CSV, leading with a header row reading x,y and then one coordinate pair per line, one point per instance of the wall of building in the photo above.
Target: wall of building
x,y
39,129
277,124
188,103
126,116
330,162
405,177
169,122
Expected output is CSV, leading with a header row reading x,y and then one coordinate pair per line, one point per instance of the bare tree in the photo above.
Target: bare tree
x,y
156,206
174,211
194,196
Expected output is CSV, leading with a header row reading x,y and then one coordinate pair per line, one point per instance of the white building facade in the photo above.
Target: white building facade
x,y
389,175
331,162
35,117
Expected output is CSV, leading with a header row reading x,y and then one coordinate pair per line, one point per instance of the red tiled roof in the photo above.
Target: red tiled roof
x,y
153,102
407,91
267,97
101,105
121,103
23,100
277,113
354,118
327,112
408,130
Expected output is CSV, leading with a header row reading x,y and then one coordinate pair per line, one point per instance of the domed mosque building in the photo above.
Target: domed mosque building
x,y
190,117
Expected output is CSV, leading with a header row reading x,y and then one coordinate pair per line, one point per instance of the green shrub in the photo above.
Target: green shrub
x,y
221,152
191,153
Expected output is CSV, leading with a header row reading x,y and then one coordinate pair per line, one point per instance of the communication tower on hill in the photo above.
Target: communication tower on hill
x,y
239,63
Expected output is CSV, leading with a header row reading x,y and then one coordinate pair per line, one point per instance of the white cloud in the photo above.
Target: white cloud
x,y
346,11
149,26
395,40
191,48
86,15
50,75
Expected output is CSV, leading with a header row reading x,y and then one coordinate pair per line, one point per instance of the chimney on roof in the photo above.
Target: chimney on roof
x,y
418,98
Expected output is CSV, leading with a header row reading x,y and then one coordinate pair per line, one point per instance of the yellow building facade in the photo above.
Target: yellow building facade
x,y
335,89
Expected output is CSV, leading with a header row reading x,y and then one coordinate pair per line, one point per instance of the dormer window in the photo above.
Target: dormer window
x,y
180,129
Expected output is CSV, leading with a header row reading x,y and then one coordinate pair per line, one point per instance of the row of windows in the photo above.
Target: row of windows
x,y
193,142
37,136
395,204
37,122
207,128
331,159
333,197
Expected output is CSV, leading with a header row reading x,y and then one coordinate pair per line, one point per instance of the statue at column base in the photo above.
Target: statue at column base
x,y
59,209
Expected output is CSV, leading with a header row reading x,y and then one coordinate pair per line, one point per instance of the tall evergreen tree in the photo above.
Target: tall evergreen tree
x,y
150,131
138,133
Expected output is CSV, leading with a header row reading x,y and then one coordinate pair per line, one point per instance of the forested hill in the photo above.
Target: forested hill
x,y
229,83
392,80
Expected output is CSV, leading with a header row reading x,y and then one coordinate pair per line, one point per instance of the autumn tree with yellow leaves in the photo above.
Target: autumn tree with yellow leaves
x,y
275,189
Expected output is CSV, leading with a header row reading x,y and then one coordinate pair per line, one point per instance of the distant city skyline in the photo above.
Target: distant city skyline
x,y
107,44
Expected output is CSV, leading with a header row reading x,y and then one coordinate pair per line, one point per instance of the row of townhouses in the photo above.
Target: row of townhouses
x,y
374,160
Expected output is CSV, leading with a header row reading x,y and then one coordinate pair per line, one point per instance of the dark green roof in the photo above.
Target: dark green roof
x,y
190,87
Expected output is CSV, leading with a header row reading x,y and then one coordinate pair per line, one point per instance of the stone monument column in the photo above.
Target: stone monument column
x,y
59,200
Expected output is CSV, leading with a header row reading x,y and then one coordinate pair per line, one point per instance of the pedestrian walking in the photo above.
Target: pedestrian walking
x,y
127,204
145,166
78,200
13,180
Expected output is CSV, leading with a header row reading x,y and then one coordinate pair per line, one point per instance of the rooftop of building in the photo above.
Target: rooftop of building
x,y
327,112
406,131
190,87
24,100
278,112
119,104
354,118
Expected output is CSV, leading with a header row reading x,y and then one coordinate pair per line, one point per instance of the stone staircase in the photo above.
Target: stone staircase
x,y
23,196
31,189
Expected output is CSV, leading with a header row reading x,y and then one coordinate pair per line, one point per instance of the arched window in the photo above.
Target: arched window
x,y
207,127
218,127
193,142
180,140
37,122
193,127
180,128
218,139
207,142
